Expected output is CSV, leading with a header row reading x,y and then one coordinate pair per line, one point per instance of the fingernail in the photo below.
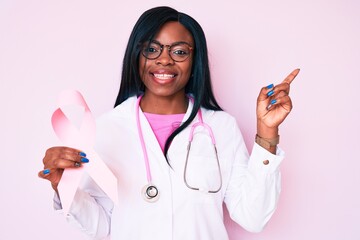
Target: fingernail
x,y
270,93
84,160
270,86
82,154
46,171
272,102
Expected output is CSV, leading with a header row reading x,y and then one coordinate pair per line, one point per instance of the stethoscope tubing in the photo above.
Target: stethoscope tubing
x,y
191,136
142,141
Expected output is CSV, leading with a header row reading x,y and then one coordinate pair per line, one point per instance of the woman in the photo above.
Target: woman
x,y
169,189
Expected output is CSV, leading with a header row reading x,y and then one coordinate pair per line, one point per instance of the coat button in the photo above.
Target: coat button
x,y
266,162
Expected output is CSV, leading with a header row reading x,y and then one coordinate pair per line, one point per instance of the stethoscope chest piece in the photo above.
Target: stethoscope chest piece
x,y
150,193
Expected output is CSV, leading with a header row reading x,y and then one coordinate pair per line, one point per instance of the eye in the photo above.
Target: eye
x,y
151,48
180,50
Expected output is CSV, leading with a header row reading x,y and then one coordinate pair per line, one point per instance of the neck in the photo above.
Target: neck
x,y
164,105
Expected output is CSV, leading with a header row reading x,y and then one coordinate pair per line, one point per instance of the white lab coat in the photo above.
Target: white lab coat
x,y
250,189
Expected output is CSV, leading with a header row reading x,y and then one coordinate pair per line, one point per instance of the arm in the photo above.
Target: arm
x,y
254,187
91,208
273,106
253,190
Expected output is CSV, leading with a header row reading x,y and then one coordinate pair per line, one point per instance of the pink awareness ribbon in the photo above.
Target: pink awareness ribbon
x,y
83,138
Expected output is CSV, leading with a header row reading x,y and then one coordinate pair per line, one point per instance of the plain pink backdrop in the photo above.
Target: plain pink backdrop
x,y
47,46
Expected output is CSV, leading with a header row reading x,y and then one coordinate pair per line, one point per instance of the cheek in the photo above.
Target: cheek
x,y
189,68
142,67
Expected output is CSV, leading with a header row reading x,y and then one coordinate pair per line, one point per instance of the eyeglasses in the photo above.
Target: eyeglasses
x,y
179,51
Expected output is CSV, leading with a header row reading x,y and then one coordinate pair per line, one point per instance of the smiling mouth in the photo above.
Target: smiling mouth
x,y
164,76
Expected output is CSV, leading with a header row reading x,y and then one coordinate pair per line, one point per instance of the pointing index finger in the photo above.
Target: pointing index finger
x,y
291,76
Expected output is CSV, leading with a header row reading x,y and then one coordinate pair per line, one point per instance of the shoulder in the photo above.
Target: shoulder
x,y
218,118
121,119
122,113
223,125
112,126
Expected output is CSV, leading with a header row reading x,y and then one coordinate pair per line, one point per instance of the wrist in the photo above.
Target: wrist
x,y
267,143
267,132
55,187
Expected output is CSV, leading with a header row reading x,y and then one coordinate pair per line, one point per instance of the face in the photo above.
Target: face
x,y
164,77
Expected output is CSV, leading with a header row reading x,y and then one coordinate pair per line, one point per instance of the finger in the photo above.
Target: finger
x,y
50,173
71,157
283,101
281,87
280,91
56,162
291,76
44,173
273,93
64,153
266,92
63,164
54,150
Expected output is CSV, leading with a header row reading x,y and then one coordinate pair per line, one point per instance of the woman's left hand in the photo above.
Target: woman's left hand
x,y
274,104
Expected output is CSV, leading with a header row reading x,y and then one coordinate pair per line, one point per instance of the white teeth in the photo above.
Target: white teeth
x,y
164,76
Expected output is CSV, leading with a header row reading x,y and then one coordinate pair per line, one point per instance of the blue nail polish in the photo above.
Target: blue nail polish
x,y
270,93
46,171
82,154
272,102
270,86
84,160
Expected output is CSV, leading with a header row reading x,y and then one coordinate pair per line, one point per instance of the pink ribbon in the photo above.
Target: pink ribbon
x,y
83,139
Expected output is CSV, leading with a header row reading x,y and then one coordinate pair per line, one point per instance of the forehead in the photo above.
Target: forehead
x,y
172,32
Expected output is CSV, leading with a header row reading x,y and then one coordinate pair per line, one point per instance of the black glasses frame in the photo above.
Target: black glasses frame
x,y
162,46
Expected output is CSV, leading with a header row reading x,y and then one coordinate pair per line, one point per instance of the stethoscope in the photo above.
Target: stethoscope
x,y
150,192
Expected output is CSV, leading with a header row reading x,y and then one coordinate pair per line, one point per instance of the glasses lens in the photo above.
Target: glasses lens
x,y
180,52
151,50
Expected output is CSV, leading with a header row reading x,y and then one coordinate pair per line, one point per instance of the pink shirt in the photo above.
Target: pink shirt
x,y
164,125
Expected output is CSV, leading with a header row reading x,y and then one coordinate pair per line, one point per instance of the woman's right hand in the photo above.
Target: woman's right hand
x,y
59,158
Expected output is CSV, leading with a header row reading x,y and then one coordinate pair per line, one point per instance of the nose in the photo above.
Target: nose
x,y
164,58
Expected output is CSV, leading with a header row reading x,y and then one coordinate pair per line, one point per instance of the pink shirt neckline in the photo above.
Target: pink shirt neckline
x,y
163,125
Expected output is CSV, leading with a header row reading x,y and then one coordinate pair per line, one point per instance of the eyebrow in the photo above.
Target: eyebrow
x,y
174,43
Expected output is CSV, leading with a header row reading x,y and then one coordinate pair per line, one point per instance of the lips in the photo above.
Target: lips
x,y
163,77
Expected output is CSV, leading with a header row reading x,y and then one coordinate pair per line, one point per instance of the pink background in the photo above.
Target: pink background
x,y
47,46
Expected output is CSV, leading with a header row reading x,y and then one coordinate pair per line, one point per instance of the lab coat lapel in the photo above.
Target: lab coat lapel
x,y
155,154
178,147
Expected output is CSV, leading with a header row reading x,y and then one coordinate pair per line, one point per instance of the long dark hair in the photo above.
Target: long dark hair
x,y
199,85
